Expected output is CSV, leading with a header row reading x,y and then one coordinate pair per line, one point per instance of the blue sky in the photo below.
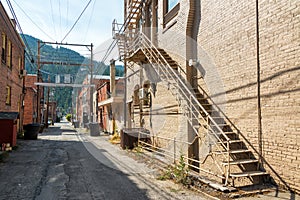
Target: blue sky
x,y
50,20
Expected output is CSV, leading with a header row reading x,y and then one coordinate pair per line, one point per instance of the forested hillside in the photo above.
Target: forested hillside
x,y
63,95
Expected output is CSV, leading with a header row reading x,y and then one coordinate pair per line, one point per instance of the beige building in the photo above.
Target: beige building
x,y
217,82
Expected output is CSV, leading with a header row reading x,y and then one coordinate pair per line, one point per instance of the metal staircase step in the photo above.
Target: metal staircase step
x,y
236,151
231,141
240,162
248,174
230,133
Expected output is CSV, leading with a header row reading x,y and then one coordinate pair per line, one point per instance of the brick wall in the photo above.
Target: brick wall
x,y
30,99
227,54
164,118
229,39
10,75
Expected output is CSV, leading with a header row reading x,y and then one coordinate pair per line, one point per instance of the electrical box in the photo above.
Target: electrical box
x,y
143,93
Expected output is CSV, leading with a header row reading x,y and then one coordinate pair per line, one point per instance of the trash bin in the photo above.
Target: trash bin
x,y
94,129
76,124
31,131
42,126
130,136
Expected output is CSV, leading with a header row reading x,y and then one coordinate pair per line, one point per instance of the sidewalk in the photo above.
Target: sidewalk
x,y
114,157
119,158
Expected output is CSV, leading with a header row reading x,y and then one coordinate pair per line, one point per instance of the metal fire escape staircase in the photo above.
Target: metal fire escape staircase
x,y
229,148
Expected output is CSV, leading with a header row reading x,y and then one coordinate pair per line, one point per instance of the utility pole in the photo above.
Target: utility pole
x,y
38,87
44,62
47,109
125,94
91,88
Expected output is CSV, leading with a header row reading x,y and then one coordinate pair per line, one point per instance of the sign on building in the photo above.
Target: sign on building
x,y
67,78
57,79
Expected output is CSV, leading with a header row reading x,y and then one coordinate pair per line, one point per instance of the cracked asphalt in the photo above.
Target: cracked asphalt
x,y
65,164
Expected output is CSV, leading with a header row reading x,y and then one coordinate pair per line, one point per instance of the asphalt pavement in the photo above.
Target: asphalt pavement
x,y
67,164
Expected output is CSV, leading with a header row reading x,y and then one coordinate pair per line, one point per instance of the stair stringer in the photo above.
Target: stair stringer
x,y
216,136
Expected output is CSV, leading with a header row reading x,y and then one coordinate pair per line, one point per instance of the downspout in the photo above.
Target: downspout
x,y
192,28
259,116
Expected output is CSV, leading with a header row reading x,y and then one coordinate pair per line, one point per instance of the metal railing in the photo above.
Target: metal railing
x,y
173,155
196,114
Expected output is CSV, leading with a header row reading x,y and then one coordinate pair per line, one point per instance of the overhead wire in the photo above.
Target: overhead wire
x,y
33,21
59,18
30,55
52,16
89,23
67,13
115,41
123,27
76,21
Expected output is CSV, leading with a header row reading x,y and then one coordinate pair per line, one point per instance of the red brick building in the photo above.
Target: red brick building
x,y
103,111
83,108
109,103
30,100
12,79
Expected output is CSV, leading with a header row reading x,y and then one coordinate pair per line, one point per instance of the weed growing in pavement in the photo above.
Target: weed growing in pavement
x,y
138,150
178,173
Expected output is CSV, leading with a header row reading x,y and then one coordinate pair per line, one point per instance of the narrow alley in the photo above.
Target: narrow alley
x,y
64,164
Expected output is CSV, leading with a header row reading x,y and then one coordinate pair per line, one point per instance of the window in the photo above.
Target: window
x,y
171,4
8,95
9,54
3,53
171,8
20,63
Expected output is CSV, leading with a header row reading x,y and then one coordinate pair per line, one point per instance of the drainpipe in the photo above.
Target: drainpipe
x,y
192,28
112,78
259,116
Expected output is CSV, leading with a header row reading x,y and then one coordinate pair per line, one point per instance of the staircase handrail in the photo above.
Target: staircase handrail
x,y
191,95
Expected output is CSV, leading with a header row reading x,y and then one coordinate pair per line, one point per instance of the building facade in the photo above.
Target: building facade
x,y
110,103
12,71
30,100
221,77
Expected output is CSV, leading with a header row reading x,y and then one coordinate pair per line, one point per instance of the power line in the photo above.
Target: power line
x,y
24,39
123,27
53,18
32,20
67,13
92,13
77,20
59,18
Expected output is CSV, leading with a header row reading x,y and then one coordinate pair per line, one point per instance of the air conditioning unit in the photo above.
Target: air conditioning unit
x,y
22,73
143,93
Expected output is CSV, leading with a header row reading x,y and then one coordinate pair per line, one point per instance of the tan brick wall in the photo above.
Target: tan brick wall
x,y
227,34
227,53
166,116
